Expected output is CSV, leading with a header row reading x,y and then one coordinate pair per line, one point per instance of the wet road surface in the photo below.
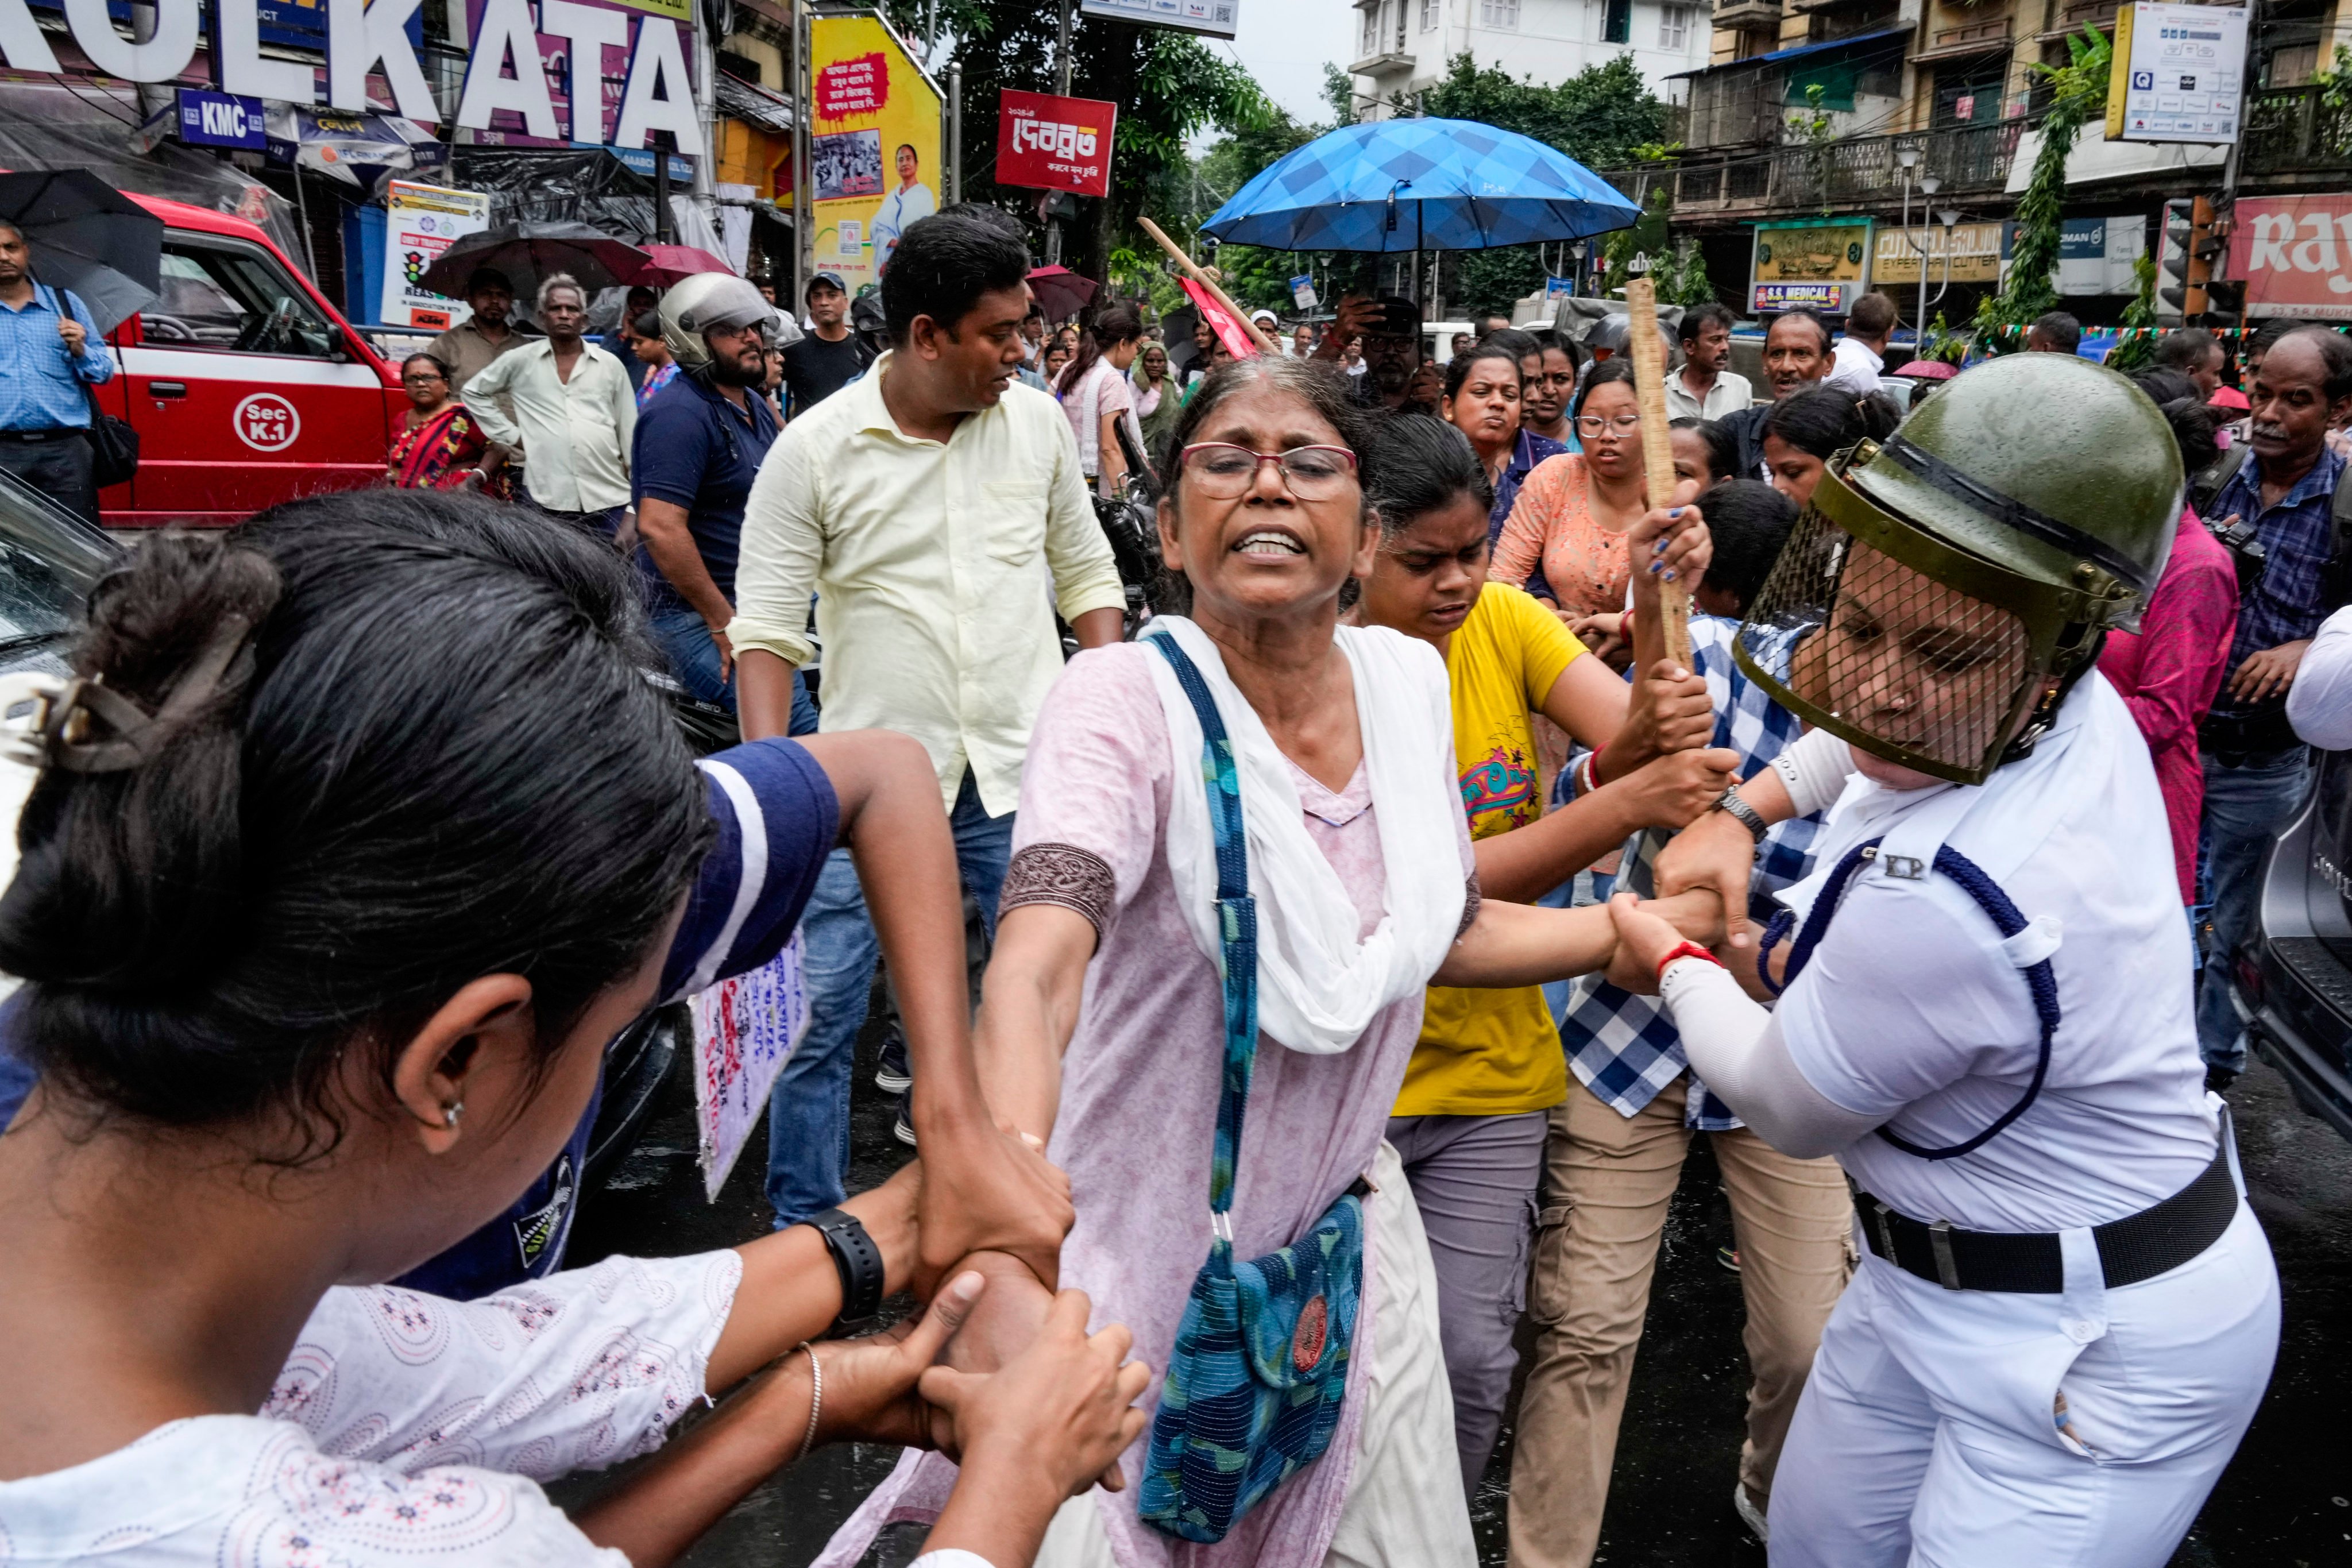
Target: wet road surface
x,y
2285,1501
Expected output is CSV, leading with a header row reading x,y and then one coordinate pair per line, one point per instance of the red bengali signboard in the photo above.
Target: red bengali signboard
x,y
2295,255
858,86
1054,144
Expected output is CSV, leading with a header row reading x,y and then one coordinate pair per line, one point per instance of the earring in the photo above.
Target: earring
x,y
450,1113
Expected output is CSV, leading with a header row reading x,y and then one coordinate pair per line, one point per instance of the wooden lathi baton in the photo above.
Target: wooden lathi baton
x,y
1193,271
1649,351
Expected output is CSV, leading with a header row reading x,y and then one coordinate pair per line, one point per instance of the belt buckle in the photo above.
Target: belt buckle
x,y
1947,1270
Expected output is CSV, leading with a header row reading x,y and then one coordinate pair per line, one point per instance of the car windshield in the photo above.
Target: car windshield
x,y
49,561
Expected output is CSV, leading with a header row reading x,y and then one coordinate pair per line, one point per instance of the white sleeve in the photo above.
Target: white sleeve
x,y
2319,703
953,1557
1737,1048
577,1371
1815,767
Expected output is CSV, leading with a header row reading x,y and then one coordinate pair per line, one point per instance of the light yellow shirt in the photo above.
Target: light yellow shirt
x,y
574,434
1730,395
937,566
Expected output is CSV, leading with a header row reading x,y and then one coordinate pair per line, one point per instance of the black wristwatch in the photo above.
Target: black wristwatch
x,y
858,1261
1739,811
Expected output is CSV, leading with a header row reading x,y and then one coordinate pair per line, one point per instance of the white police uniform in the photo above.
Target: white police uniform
x,y
1975,1427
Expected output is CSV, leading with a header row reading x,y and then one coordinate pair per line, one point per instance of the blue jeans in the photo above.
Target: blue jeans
x,y
2246,808
808,1110
685,638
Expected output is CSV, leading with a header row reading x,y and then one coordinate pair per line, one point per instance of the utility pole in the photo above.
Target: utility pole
x,y
804,254
955,133
1062,87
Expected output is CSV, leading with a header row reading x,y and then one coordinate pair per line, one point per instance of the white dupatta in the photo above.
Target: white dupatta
x,y
1318,988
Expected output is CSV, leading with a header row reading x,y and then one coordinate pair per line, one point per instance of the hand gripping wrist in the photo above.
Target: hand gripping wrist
x,y
1681,950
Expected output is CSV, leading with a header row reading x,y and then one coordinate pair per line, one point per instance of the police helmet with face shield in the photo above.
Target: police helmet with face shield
x,y
717,302
1944,588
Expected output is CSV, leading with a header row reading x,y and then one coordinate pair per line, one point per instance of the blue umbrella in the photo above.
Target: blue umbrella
x,y
1420,184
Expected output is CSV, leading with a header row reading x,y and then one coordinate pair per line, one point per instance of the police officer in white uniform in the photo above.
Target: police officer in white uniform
x,y
2067,1314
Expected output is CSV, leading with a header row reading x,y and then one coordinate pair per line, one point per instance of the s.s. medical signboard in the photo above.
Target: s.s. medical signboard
x,y
507,68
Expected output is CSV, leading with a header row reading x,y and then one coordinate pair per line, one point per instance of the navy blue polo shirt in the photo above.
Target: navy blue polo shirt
x,y
697,451
777,819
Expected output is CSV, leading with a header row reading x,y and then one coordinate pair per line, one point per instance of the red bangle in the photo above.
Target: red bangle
x,y
1686,949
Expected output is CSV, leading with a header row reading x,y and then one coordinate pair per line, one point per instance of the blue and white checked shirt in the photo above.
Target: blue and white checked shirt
x,y
40,383
1625,1047
2286,605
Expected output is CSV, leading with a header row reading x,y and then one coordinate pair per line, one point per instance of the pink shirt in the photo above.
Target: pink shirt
x,y
2169,670
1139,1106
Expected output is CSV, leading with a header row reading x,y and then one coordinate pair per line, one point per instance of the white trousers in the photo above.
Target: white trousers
x,y
1976,1429
1405,1507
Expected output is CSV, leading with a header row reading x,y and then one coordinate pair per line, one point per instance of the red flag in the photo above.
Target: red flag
x,y
1234,335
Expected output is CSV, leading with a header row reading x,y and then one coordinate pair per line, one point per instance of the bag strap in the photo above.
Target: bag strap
x,y
2039,978
1236,920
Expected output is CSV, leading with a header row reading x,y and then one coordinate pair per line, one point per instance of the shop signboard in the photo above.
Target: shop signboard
x,y
627,57
1822,264
1051,143
2096,255
2179,73
208,118
874,144
1218,18
420,223
2295,255
1973,249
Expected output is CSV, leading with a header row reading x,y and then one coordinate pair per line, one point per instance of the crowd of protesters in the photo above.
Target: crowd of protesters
x,y
1414,626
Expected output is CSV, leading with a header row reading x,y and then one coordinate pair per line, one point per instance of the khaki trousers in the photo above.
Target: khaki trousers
x,y
1607,1182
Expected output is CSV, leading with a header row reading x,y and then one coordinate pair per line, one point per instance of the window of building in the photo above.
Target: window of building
x,y
1370,42
1498,13
1617,23
1674,26
1429,13
1969,92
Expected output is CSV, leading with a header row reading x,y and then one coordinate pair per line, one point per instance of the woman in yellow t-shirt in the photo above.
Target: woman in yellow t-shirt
x,y
1470,1122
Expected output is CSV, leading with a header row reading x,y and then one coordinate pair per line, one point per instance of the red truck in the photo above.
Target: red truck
x,y
246,387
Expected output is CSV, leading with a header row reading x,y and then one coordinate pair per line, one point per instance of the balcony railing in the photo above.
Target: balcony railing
x,y
1751,15
1853,172
2292,130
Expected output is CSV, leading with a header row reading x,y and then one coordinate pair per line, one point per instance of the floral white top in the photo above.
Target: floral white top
x,y
405,1429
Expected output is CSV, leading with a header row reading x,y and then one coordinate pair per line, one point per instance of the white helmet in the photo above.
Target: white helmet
x,y
713,301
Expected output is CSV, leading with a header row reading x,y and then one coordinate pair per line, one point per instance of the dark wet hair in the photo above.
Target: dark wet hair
x,y
1750,522
1457,369
2335,357
1115,324
1618,367
1722,447
1801,313
2062,332
440,366
1871,314
944,263
2185,347
2193,423
436,758
1824,421
1699,317
1520,343
1424,465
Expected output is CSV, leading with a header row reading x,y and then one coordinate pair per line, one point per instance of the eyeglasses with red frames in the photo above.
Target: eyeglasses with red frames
x,y
1223,472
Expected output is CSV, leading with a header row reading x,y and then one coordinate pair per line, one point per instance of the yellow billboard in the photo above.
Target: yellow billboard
x,y
1975,254
874,145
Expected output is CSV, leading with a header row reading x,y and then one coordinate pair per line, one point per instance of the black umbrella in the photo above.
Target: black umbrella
x,y
87,236
529,253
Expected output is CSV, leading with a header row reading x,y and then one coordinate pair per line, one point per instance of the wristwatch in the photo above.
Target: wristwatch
x,y
1739,811
856,1259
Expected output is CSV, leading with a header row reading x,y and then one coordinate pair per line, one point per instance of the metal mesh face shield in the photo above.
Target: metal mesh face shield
x,y
1905,645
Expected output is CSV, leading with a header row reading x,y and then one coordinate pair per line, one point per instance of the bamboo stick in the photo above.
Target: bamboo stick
x,y
1649,351
1193,271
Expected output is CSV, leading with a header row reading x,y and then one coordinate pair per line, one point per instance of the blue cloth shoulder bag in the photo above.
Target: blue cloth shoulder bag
x,y
1260,1367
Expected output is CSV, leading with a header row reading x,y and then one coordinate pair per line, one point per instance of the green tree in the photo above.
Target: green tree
x,y
1169,87
2078,92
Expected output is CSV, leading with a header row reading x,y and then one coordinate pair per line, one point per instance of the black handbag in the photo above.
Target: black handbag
x,y
113,444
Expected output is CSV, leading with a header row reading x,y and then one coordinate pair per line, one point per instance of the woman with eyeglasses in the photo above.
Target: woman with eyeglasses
x,y
438,445
1482,401
1103,1014
1573,515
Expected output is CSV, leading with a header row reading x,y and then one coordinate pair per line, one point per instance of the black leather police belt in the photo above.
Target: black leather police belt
x,y
2139,1247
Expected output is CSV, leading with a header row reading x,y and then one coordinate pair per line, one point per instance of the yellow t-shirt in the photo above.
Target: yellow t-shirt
x,y
1485,1052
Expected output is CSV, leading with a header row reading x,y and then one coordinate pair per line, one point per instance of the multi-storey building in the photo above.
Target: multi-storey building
x,y
1402,46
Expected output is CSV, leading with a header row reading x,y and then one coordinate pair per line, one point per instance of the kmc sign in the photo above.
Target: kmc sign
x,y
503,69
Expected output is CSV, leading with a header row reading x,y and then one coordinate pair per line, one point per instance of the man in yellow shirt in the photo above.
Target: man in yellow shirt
x,y
937,511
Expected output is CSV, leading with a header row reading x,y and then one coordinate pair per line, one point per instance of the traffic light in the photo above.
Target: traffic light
x,y
2193,243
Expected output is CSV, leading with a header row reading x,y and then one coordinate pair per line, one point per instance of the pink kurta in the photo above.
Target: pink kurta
x,y
1139,1105
2168,672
